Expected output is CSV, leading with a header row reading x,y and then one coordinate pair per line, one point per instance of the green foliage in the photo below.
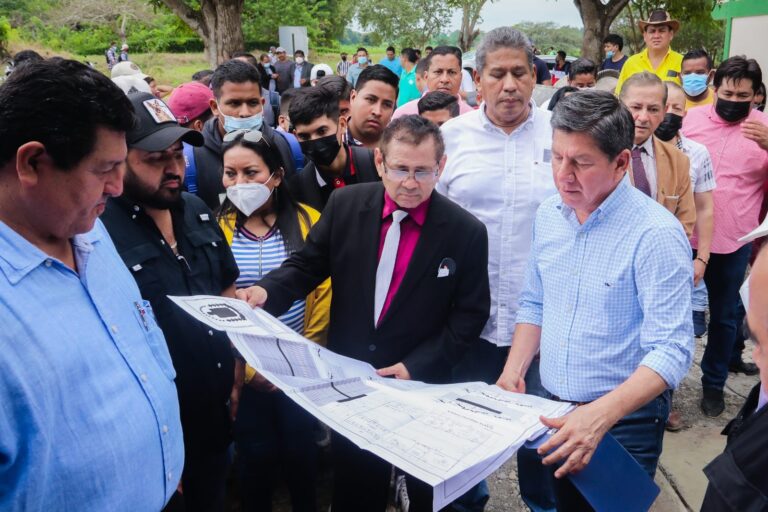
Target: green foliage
x,y
5,33
549,34
325,19
403,22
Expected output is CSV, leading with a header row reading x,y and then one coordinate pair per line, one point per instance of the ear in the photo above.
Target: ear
x,y
277,179
622,162
352,96
197,125
441,165
214,106
378,158
31,160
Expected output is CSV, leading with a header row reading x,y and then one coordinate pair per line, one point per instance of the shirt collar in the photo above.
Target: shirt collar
x,y
763,398
488,124
418,214
19,257
647,146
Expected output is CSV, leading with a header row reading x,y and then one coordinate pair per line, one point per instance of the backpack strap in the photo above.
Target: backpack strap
x,y
190,168
293,143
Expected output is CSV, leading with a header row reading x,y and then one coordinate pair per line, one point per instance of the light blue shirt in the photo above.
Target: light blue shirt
x,y
353,73
392,65
610,295
297,75
89,416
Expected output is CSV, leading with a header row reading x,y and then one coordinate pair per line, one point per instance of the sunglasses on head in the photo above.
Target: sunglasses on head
x,y
254,136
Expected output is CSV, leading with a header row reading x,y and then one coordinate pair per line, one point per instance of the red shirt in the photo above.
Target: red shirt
x,y
410,229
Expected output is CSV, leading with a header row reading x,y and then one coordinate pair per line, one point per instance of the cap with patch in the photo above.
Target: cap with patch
x,y
280,49
156,128
190,100
127,68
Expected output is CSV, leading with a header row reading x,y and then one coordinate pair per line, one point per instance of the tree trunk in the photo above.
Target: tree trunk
x,y
470,15
217,22
597,18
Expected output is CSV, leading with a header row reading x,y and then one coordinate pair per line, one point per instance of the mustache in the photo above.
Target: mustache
x,y
171,177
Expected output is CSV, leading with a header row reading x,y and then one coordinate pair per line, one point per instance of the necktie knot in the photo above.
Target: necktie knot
x,y
398,216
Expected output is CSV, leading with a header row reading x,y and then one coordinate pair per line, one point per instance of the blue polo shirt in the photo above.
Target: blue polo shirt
x,y
392,65
89,418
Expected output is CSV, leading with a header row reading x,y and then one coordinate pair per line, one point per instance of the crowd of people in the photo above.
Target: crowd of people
x,y
568,250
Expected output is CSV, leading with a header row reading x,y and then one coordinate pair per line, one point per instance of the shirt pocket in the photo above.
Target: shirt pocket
x,y
207,261
143,261
155,338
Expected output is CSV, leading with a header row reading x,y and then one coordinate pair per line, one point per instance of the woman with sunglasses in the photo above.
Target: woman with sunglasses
x,y
264,225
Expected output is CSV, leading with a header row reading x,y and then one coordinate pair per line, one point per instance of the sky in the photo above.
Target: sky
x,y
509,12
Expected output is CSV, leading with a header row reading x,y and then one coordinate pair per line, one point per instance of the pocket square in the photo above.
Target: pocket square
x,y
446,268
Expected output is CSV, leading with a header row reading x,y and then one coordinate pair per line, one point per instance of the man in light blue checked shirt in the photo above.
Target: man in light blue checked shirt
x,y
607,298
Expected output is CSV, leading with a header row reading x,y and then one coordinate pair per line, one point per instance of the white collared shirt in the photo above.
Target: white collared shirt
x,y
501,179
649,163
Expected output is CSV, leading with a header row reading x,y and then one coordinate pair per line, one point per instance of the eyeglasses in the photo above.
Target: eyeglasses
x,y
254,136
418,175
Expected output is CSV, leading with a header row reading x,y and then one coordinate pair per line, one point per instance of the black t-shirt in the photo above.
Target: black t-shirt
x,y
204,266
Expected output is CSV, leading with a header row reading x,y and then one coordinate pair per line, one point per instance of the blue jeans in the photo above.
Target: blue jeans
x,y
641,433
700,297
724,276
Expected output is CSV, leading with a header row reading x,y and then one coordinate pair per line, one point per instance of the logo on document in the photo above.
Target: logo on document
x,y
223,313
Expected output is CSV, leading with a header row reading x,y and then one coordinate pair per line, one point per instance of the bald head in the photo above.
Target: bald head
x,y
757,313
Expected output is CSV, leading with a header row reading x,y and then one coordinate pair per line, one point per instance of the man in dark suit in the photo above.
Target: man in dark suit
x,y
737,480
410,286
332,162
302,70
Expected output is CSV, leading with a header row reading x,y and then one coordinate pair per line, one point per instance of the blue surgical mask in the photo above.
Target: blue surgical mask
x,y
695,84
362,60
243,123
609,54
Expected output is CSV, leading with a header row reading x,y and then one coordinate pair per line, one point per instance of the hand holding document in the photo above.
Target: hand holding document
x,y
450,436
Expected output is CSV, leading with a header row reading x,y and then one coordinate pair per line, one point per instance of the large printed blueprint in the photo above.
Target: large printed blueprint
x,y
450,436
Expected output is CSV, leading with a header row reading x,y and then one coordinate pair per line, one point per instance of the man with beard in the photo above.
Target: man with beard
x,y
172,244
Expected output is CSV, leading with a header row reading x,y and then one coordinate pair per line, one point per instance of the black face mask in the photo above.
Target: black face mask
x,y
732,111
669,127
322,151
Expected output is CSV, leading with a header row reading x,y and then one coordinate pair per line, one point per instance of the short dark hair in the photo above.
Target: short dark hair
x,y
285,100
338,84
299,52
600,115
422,66
439,100
253,61
391,49
26,56
361,49
614,39
582,66
562,54
410,55
559,95
59,103
445,50
428,48
312,103
235,71
412,130
739,68
698,53
502,37
378,73
202,75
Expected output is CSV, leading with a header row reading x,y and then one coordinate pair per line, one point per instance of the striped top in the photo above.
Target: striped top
x,y
256,256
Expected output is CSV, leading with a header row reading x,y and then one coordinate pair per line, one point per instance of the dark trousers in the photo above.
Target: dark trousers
x,y
361,481
204,480
641,433
275,442
724,277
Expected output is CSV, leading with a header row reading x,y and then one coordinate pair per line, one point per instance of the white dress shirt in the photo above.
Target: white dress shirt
x,y
501,179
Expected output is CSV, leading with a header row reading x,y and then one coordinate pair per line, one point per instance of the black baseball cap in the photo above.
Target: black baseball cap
x,y
156,128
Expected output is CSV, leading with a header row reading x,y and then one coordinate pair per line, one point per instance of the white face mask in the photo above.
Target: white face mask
x,y
299,60
249,197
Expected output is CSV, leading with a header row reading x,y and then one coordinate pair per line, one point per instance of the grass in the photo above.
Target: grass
x,y
176,68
